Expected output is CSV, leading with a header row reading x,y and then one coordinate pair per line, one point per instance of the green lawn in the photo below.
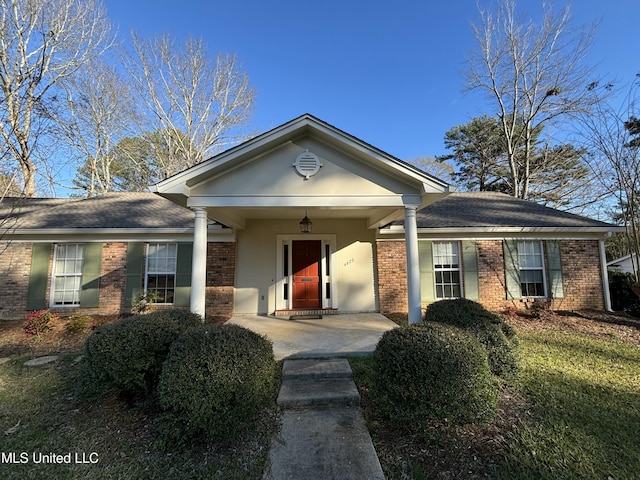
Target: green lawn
x,y
575,414
585,409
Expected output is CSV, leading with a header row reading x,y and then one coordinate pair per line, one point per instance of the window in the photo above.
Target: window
x,y
160,279
67,274
531,261
446,266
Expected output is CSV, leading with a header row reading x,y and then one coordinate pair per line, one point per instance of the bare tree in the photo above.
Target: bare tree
x,y
41,42
198,104
99,113
435,167
534,74
612,133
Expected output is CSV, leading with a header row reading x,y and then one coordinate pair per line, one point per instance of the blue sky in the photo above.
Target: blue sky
x,y
386,72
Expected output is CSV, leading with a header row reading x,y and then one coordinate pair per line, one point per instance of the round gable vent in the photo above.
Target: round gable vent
x,y
307,164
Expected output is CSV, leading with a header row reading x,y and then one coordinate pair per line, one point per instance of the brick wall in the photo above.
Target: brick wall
x,y
112,278
582,277
221,271
392,276
580,268
15,266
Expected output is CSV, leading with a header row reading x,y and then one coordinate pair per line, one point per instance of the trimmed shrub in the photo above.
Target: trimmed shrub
x,y
214,381
432,372
461,312
39,321
497,337
129,353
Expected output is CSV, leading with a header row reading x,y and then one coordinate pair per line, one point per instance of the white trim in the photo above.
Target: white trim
x,y
458,244
604,272
55,276
283,282
543,257
147,272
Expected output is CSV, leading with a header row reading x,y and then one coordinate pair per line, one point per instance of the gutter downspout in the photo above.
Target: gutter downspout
x,y
605,276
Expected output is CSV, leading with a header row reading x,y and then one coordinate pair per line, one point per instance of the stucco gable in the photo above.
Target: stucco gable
x,y
256,157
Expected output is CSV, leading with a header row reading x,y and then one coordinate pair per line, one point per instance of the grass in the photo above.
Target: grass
x,y
575,414
43,411
585,409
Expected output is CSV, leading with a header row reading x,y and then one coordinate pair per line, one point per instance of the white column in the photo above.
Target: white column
x,y
413,265
199,263
605,277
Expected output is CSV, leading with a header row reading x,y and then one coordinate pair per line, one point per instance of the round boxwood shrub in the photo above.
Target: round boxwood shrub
x,y
434,372
498,337
214,381
129,353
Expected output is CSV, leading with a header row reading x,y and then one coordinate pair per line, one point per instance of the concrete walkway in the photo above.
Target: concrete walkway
x,y
331,336
323,434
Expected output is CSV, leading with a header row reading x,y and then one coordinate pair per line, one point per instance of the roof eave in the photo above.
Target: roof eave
x,y
566,232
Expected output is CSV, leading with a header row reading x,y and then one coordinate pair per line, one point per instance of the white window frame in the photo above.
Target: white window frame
x,y
167,271
449,268
541,268
60,279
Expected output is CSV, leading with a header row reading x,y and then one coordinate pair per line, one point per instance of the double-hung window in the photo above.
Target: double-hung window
x,y
446,266
531,261
160,278
67,274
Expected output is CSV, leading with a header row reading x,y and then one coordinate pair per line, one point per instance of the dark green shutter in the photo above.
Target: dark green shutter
x,y
556,288
133,283
91,275
427,283
470,270
511,269
182,295
38,276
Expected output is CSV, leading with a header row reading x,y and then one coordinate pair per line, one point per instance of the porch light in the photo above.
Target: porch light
x,y
306,224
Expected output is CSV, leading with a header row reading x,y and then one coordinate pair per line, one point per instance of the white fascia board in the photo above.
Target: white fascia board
x,y
488,233
112,235
302,200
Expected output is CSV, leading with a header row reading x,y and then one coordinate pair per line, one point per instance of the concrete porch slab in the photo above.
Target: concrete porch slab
x,y
331,336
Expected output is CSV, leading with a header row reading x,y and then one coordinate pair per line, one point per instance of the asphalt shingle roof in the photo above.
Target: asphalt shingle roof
x,y
489,209
146,210
114,210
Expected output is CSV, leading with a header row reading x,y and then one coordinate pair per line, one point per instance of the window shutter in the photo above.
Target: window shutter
x,y
182,295
555,269
91,269
427,284
38,276
135,262
511,269
470,270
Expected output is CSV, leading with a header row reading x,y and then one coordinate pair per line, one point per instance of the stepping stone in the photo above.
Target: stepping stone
x,y
38,362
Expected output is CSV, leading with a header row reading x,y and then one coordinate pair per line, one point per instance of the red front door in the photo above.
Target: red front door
x,y
306,260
